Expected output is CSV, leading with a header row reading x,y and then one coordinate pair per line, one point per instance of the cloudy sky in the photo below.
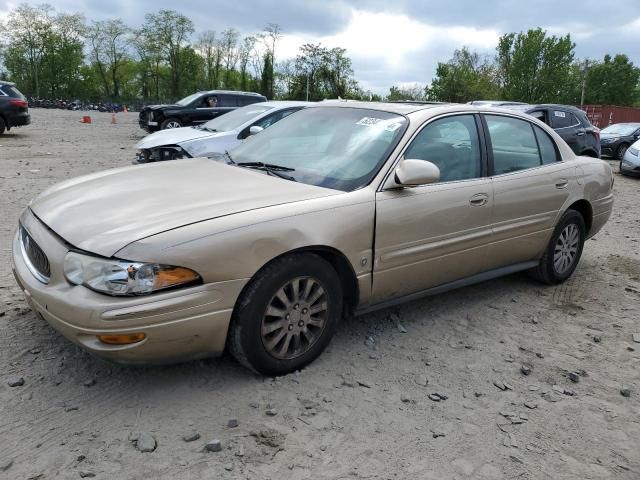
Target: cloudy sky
x,y
395,41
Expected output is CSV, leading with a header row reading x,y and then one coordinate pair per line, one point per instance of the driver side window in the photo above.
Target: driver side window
x,y
452,144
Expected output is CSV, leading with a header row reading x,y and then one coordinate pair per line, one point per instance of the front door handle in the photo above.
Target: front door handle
x,y
562,183
479,199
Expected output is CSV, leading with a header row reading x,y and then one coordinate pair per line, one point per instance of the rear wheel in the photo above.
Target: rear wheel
x,y
171,123
287,315
622,149
564,250
2,125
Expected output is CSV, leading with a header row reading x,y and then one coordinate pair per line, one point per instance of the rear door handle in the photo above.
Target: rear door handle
x,y
479,199
580,133
562,183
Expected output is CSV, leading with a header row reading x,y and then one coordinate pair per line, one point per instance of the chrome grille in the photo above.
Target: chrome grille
x,y
34,257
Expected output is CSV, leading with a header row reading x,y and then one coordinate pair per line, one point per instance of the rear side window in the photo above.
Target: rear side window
x,y
248,100
513,144
227,101
548,151
11,91
563,119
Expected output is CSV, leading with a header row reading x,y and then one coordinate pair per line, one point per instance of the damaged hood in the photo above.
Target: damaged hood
x,y
104,212
172,136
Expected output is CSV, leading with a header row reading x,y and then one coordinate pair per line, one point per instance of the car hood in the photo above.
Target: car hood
x,y
171,136
104,212
216,142
606,135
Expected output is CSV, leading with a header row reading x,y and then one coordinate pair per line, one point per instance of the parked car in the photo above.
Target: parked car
x,y
630,163
616,139
14,108
217,135
494,103
263,250
571,123
195,109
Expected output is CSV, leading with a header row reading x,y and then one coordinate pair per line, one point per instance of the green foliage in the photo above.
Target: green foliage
x,y
405,93
534,67
465,77
614,81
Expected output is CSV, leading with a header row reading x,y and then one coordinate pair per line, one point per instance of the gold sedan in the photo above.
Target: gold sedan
x,y
341,207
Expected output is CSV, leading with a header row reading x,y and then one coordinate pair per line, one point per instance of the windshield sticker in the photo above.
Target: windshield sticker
x,y
559,114
368,121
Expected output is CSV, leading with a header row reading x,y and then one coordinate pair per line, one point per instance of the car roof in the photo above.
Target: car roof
x,y
403,108
283,103
233,92
4,82
570,108
635,124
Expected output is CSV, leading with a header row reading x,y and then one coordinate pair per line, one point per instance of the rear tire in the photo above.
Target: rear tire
x,y
2,125
286,315
563,253
171,123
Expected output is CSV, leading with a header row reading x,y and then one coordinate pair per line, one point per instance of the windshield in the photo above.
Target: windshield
x,y
187,100
236,118
620,129
332,147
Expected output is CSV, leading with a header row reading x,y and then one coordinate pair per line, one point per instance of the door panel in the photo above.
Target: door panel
x,y
527,198
430,235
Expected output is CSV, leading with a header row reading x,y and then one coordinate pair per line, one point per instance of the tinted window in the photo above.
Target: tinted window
x,y
248,100
11,91
513,143
548,152
452,144
563,119
227,101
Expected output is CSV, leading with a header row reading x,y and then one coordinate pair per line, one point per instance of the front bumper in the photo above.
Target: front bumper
x,y
630,164
178,325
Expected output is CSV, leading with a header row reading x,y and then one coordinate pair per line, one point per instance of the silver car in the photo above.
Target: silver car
x,y
215,136
630,163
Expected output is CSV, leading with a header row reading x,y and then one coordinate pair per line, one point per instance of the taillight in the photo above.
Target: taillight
x,y
18,103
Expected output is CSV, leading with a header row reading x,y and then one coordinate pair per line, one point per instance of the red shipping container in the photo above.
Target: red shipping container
x,y
604,115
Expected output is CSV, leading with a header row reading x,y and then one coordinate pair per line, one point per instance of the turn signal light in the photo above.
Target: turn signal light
x,y
122,339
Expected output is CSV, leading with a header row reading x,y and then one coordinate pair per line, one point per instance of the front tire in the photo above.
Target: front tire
x,y
287,315
563,253
622,149
170,123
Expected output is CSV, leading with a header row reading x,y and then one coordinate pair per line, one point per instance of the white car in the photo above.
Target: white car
x,y
215,136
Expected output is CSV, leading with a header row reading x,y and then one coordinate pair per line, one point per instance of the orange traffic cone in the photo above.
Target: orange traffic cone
x,y
86,119
113,118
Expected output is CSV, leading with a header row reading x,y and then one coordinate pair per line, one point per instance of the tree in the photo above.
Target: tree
x,y
28,31
534,67
209,48
171,31
467,76
414,92
229,45
266,80
109,45
613,81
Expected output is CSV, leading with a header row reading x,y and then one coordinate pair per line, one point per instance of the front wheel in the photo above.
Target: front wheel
x,y
171,123
287,315
564,250
622,149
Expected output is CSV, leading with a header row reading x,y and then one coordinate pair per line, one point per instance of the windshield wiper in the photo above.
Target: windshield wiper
x,y
228,155
270,168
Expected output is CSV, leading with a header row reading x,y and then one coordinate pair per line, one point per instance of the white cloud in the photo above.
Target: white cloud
x,y
391,39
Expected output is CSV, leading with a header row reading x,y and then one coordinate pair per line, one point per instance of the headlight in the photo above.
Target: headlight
x,y
120,277
633,151
610,140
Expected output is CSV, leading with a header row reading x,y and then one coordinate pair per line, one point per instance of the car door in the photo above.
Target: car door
x,y
434,234
569,128
531,184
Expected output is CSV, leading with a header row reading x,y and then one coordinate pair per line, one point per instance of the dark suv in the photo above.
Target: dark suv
x,y
195,109
570,123
14,109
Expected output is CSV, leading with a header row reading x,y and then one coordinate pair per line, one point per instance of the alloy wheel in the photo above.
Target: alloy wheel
x,y
173,125
566,249
295,318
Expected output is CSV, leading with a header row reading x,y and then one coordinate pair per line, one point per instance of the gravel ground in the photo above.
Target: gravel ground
x,y
448,399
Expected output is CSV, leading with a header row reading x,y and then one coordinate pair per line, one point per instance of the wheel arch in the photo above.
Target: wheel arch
x,y
584,208
338,261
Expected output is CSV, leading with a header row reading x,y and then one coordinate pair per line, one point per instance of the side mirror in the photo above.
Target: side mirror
x,y
255,129
416,172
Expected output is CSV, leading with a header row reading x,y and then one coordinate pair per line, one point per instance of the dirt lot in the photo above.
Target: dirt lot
x,y
362,410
